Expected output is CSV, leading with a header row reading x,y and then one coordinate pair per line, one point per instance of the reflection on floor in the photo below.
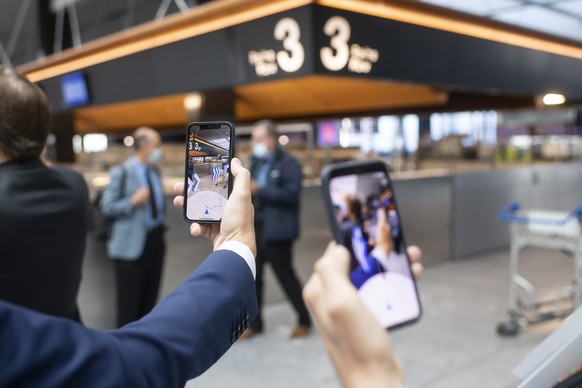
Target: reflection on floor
x,y
454,345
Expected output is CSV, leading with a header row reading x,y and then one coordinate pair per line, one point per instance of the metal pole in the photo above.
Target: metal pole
x,y
182,6
74,23
163,9
4,56
165,4
59,26
19,22
130,6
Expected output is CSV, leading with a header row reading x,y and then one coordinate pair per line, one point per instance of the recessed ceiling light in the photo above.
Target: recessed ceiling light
x,y
554,99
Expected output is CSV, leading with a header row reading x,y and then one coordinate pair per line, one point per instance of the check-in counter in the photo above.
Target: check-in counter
x,y
454,215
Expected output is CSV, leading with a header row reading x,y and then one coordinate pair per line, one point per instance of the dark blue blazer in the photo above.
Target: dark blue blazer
x,y
43,227
279,202
181,338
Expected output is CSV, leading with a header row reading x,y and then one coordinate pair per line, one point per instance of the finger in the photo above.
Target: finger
x,y
312,292
179,188
196,230
414,253
334,265
417,270
179,201
242,182
381,216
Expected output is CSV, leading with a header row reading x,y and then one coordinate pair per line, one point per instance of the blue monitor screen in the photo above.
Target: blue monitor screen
x,y
74,89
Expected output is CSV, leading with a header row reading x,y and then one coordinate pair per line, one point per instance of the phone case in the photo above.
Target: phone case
x,y
359,167
206,125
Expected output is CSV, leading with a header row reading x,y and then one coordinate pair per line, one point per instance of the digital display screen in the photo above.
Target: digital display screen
x,y
369,226
328,133
207,172
74,89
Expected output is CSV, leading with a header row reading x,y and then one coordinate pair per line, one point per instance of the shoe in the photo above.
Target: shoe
x,y
249,333
300,331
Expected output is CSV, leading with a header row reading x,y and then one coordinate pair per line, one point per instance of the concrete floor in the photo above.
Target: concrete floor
x,y
454,345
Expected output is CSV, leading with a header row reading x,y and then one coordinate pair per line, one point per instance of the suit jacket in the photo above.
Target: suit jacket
x,y
279,201
129,231
43,226
178,340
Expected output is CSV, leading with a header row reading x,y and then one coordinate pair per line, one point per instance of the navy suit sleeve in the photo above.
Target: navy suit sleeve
x,y
181,338
287,192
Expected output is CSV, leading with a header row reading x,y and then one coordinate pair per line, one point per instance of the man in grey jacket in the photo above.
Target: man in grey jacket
x,y
135,199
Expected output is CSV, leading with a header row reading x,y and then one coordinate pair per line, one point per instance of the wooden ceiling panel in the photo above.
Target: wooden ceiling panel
x,y
322,95
156,112
283,99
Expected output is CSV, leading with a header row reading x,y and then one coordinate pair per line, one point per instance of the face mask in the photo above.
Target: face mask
x,y
260,150
155,156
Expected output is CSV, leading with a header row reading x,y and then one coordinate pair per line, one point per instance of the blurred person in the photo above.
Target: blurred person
x,y
178,340
359,348
276,190
135,199
43,210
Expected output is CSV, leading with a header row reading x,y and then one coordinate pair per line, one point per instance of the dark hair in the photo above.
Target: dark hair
x,y
354,206
24,116
270,125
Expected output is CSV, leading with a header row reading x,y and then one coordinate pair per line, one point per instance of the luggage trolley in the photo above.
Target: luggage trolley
x,y
542,229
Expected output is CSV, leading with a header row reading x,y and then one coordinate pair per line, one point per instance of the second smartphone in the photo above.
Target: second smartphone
x,y
365,219
207,181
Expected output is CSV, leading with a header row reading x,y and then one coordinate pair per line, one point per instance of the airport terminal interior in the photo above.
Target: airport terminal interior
x,y
475,106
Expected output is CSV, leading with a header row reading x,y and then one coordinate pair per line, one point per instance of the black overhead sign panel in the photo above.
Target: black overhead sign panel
x,y
320,40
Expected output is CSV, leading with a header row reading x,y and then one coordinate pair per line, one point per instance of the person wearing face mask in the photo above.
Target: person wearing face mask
x,y
135,199
276,190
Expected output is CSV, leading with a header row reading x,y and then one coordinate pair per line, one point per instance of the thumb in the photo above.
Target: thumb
x,y
242,182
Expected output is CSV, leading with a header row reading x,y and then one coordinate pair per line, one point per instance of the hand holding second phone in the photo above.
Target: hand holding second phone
x,y
358,346
238,216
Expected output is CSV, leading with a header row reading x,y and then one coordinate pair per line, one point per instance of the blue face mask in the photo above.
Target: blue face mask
x,y
260,150
155,156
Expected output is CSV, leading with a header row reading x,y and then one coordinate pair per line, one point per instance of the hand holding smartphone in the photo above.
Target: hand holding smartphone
x,y
364,218
207,181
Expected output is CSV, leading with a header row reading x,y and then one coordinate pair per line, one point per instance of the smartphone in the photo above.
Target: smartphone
x,y
207,181
364,218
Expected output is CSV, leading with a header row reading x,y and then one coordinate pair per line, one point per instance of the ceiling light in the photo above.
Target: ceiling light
x,y
554,99
193,102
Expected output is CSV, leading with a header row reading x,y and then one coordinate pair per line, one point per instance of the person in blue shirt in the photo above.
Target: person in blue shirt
x,y
135,199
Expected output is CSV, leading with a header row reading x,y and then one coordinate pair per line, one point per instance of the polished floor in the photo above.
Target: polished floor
x,y
454,345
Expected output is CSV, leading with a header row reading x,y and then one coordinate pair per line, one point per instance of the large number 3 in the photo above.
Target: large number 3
x,y
287,30
339,30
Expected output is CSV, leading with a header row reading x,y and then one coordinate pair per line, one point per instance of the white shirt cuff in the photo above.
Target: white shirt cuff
x,y
243,251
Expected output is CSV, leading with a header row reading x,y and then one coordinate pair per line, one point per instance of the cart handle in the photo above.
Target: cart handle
x,y
507,214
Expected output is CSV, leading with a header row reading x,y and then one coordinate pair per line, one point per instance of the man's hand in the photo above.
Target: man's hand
x,y
254,186
238,216
358,346
383,232
140,197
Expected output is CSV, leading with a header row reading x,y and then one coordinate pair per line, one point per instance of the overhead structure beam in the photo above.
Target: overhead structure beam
x,y
17,28
4,58
70,11
222,14
165,4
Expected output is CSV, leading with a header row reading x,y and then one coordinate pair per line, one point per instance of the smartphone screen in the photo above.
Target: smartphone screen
x,y
366,221
207,182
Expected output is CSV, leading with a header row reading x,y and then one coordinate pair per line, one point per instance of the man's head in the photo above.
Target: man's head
x,y
147,144
264,138
24,117
354,207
